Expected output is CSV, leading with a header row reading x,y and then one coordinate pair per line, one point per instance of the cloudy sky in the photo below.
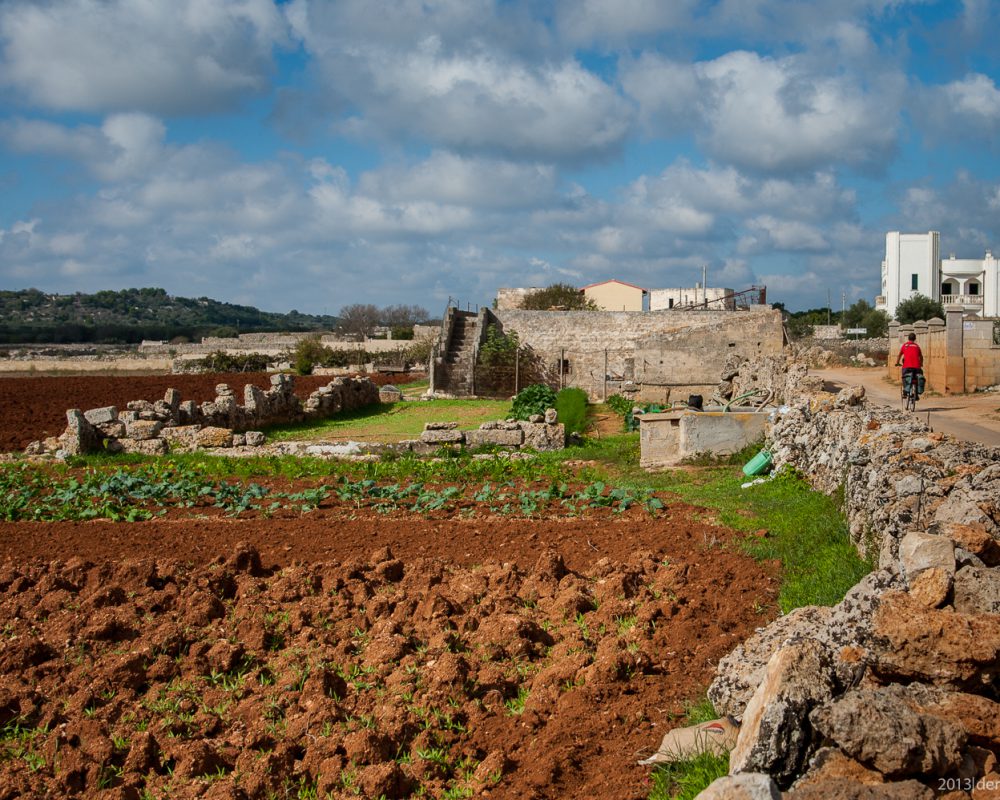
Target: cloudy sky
x,y
309,154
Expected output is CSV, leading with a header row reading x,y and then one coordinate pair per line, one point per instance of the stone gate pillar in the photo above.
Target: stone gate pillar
x,y
954,380
890,359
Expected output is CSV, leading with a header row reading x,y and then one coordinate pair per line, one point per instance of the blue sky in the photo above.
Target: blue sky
x,y
310,154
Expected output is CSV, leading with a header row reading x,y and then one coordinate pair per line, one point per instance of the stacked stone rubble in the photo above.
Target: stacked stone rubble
x,y
540,432
782,378
156,427
893,691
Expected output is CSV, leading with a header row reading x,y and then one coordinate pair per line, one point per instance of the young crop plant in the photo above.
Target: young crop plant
x,y
515,705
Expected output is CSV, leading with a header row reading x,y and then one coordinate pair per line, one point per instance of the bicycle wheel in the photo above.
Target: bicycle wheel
x,y
911,399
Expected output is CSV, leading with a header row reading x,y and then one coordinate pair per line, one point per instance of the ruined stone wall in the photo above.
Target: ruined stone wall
x,y
154,427
661,352
892,692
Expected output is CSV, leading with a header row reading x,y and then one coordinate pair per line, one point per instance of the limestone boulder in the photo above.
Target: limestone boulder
x,y
181,437
213,436
877,727
172,398
973,539
255,438
977,590
931,587
978,716
80,435
389,394
852,790
96,416
542,437
830,764
114,428
142,429
746,786
961,507
850,396
742,671
494,437
775,736
146,447
915,643
442,436
919,551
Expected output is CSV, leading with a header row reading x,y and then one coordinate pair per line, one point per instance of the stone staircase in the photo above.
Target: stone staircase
x,y
455,371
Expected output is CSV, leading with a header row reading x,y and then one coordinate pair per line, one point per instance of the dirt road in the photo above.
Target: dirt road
x,y
973,417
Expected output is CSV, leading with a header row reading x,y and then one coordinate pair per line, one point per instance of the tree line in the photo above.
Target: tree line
x,y
860,315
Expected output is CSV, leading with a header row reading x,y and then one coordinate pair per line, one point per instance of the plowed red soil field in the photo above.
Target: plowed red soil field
x,y
360,655
35,407
343,653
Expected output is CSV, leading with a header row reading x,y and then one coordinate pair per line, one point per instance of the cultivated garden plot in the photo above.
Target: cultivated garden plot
x,y
194,627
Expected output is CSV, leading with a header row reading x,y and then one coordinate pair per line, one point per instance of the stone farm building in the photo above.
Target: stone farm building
x,y
649,355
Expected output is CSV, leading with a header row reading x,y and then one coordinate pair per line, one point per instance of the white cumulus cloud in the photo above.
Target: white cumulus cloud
x,y
159,56
765,113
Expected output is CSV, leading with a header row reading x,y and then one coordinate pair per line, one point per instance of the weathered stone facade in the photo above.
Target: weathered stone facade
x,y
656,353
895,687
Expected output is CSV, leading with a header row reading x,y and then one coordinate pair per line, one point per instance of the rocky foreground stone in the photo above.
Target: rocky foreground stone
x,y
893,692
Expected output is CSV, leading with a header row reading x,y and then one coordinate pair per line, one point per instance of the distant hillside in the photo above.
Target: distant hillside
x,y
132,315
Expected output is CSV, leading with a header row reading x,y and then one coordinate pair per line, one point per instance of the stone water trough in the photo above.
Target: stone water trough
x,y
668,438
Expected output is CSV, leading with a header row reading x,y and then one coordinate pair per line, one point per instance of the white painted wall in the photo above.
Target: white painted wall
x,y
663,299
909,254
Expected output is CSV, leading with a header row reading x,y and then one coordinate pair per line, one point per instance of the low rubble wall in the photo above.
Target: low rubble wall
x,y
171,423
893,691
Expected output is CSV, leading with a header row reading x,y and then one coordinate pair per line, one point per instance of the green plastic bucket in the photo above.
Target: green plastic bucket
x,y
758,464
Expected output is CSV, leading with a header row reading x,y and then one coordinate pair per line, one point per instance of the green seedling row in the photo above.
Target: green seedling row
x,y
30,493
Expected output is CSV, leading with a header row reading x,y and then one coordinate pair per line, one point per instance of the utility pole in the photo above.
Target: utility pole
x,y
843,307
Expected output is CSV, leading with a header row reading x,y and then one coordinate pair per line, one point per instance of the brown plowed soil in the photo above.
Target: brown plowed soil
x,y
313,657
35,407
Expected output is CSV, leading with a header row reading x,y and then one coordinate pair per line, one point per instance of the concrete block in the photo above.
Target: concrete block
x,y
498,438
667,439
442,436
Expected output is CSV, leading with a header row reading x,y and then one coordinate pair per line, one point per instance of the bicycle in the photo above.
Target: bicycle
x,y
910,395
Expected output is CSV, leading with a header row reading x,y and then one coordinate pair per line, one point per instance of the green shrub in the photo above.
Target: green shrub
x,y
308,353
620,404
220,361
571,405
498,349
534,399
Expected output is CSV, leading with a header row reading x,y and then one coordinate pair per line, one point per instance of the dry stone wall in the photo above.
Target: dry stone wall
x,y
171,423
893,692
656,352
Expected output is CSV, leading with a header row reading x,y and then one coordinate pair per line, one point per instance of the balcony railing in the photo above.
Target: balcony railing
x,y
963,299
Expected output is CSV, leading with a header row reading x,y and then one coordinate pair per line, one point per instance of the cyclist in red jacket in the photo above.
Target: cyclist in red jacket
x,y
912,361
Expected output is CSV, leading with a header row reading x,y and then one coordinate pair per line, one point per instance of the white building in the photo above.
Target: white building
x,y
913,265
707,297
